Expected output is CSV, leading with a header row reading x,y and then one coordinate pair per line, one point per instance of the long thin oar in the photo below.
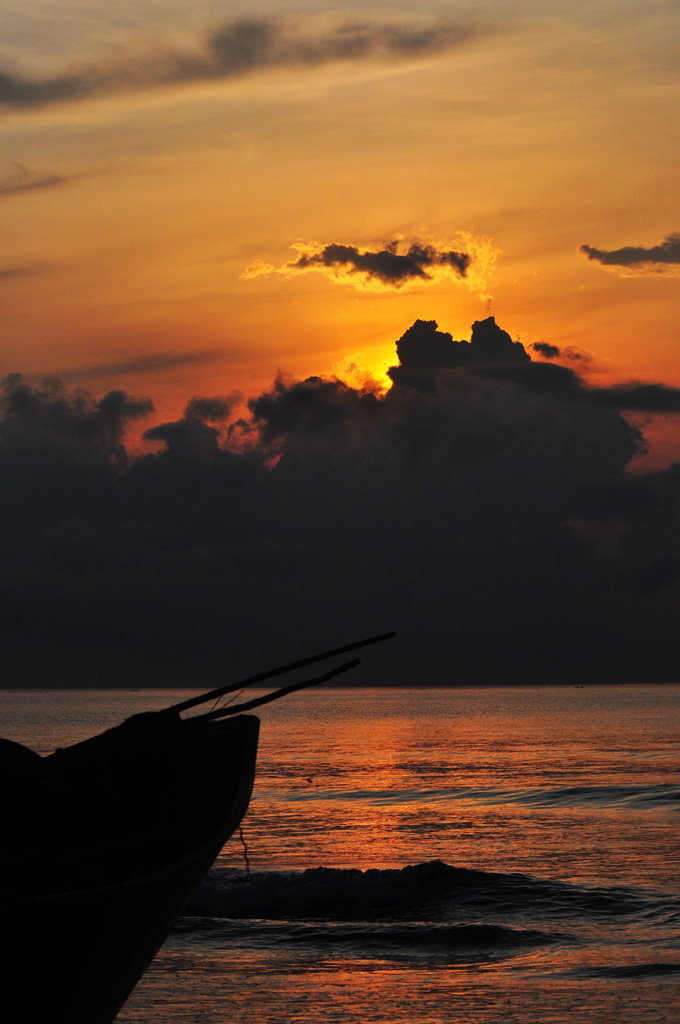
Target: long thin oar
x,y
260,678
236,709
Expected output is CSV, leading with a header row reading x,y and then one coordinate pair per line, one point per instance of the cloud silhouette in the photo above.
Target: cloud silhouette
x,y
637,258
215,409
192,432
458,508
240,47
423,351
385,265
543,348
390,266
49,408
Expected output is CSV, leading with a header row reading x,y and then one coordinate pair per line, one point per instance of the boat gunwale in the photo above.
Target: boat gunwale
x,y
217,839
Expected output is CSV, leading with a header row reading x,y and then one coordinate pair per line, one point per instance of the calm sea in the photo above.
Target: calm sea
x,y
481,855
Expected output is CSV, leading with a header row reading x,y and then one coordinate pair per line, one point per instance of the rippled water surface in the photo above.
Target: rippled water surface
x,y
429,855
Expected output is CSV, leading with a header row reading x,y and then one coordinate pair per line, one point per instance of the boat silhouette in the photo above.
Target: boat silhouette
x,y
105,841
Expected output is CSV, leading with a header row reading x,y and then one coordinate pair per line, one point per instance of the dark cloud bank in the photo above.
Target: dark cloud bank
x,y
481,508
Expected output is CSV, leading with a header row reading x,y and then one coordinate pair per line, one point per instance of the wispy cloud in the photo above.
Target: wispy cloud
x,y
390,266
150,363
636,259
239,47
21,179
25,270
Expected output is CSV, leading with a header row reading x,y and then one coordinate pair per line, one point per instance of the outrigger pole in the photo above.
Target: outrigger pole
x,y
270,673
237,709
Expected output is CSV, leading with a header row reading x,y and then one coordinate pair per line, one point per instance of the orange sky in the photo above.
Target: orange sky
x,y
137,187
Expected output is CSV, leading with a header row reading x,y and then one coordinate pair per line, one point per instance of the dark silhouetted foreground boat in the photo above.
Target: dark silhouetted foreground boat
x,y
104,842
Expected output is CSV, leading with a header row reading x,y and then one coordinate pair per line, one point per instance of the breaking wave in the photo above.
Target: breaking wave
x,y
431,892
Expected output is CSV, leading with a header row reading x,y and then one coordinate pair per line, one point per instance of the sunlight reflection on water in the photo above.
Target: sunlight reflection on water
x,y
574,786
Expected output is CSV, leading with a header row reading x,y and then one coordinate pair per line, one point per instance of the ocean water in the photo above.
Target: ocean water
x,y
463,855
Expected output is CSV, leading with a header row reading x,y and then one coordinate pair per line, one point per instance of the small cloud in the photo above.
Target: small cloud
x,y
636,260
212,410
577,355
390,266
258,268
543,348
548,351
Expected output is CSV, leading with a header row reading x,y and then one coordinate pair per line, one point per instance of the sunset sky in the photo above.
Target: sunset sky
x,y
198,196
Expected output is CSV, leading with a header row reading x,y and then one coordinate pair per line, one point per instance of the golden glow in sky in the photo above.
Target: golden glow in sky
x,y
174,174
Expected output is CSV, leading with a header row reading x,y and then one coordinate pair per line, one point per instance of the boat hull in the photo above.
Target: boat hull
x,y
76,954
